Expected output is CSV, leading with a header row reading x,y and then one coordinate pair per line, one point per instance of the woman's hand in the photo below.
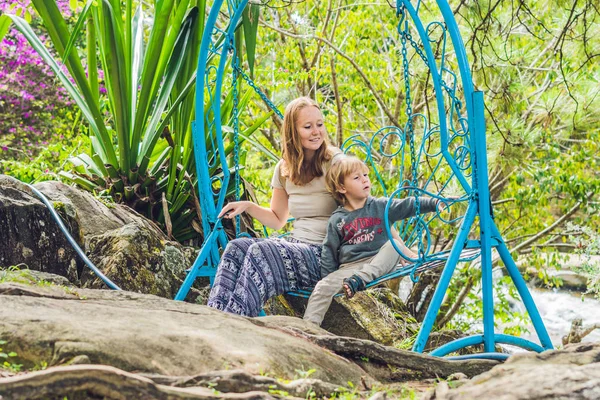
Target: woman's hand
x,y
274,217
234,208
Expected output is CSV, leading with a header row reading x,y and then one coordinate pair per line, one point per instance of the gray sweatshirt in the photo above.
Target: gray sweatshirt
x,y
353,235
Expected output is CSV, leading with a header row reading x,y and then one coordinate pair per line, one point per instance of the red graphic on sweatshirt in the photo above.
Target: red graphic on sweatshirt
x,y
355,231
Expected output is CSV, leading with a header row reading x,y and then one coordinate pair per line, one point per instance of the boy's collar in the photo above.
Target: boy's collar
x,y
367,201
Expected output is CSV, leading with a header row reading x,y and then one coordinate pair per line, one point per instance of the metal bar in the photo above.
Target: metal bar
x,y
483,201
481,356
440,291
202,257
517,341
521,286
474,340
457,344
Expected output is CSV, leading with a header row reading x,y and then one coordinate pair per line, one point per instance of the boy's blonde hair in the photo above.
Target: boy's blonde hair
x,y
341,168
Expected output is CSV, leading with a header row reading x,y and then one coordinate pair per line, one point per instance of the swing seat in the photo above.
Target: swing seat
x,y
411,270
440,152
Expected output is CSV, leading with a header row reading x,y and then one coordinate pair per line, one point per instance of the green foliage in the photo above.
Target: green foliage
x,y
48,161
16,274
9,359
352,392
587,244
141,149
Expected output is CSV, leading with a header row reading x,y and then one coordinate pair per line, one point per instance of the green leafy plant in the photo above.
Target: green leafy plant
x,y
587,244
140,131
7,364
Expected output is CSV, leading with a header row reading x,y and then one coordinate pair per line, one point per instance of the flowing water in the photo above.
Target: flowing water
x,y
559,307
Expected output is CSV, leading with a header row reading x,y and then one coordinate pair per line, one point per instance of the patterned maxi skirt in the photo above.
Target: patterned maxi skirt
x,y
253,270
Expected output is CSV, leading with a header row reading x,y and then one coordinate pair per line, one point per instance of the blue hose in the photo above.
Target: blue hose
x,y
64,229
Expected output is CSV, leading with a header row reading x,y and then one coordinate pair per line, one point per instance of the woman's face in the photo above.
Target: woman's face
x,y
310,126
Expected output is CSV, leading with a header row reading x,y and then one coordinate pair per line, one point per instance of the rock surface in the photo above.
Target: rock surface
x,y
29,235
145,333
133,252
570,373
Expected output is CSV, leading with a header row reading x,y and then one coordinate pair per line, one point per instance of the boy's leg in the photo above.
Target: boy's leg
x,y
383,263
323,293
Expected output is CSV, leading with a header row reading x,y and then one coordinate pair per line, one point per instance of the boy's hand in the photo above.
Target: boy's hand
x,y
445,205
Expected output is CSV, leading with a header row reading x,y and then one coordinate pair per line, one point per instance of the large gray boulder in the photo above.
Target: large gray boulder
x,y
131,250
69,332
145,333
29,235
569,373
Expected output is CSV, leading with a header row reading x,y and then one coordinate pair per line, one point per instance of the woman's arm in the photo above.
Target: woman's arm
x,y
274,217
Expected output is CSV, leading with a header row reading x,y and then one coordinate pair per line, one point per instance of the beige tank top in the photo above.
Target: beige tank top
x,y
311,205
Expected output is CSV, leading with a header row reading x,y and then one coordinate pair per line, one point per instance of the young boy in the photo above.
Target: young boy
x,y
356,249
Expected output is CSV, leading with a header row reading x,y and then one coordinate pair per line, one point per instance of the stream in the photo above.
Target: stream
x,y
558,308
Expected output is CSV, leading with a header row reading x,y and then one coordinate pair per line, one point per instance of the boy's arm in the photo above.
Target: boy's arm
x,y
406,208
329,254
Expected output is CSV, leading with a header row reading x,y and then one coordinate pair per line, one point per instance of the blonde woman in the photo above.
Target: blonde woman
x,y
253,270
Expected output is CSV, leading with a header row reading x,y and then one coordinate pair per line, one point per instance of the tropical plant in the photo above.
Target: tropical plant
x,y
141,141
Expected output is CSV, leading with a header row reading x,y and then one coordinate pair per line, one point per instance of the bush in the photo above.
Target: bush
x,y
35,111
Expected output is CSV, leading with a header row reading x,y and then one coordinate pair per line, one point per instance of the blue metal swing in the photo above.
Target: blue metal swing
x,y
446,159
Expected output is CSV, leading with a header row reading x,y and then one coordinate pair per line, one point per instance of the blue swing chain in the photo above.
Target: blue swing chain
x,y
263,96
409,130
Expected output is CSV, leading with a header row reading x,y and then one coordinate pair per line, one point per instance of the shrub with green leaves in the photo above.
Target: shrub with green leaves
x,y
140,131
35,111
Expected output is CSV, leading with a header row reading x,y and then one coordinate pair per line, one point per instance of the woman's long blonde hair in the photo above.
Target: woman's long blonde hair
x,y
294,166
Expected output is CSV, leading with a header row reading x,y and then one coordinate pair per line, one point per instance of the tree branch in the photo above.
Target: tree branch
x,y
372,89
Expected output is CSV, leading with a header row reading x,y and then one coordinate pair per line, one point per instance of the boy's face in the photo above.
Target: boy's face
x,y
357,185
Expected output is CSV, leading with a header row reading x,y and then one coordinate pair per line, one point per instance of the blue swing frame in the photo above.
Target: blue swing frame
x,y
211,76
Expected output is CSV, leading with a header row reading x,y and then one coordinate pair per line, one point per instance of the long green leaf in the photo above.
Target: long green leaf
x,y
137,56
177,57
151,58
92,61
58,32
77,30
172,72
250,23
112,54
4,25
259,146
149,147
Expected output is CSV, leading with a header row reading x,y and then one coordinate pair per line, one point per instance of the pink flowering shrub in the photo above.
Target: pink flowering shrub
x,y
35,110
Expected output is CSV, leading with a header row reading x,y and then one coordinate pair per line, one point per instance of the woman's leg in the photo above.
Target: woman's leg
x,y
228,272
272,267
